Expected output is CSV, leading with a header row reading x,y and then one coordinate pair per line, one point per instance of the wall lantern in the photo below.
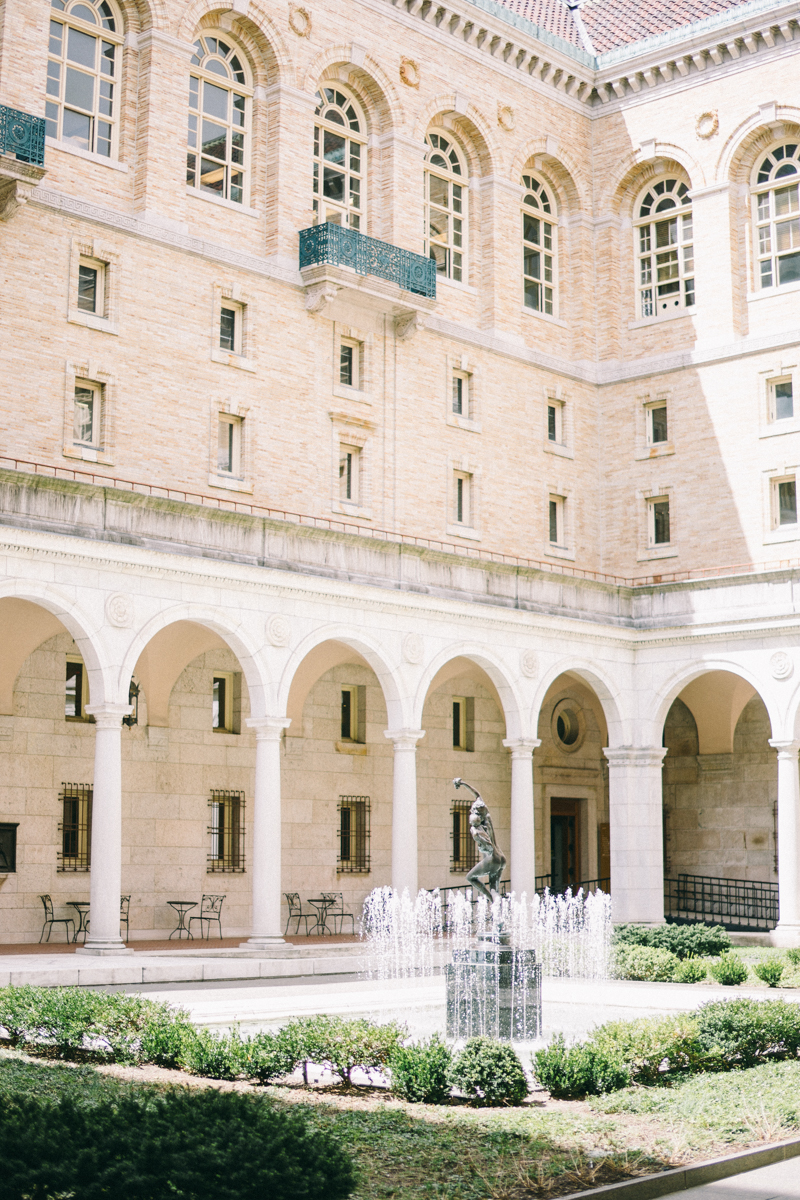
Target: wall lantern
x,y
133,699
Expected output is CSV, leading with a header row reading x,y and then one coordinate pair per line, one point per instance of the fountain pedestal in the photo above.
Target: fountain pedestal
x,y
494,991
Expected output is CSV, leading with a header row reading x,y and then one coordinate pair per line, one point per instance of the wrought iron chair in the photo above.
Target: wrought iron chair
x,y
124,913
297,913
50,921
339,912
210,912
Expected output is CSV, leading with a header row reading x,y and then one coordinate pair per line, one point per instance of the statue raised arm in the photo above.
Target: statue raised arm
x,y
492,860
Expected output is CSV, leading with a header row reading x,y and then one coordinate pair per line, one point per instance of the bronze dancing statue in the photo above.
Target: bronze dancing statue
x,y
492,859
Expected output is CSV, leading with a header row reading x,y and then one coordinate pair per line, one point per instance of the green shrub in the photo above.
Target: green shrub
x,y
74,1023
729,969
684,941
793,956
651,1047
205,1145
214,1055
489,1073
691,970
342,1044
420,1072
744,1032
579,1070
770,970
645,963
268,1056
164,1036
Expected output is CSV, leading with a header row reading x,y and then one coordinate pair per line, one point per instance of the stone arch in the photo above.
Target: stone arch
x,y
512,704
635,173
562,173
256,32
233,635
601,684
471,127
373,87
374,655
78,622
790,727
688,675
139,15
752,137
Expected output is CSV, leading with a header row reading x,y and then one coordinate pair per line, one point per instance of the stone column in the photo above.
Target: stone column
x,y
265,867
635,810
106,832
715,319
523,834
787,932
404,808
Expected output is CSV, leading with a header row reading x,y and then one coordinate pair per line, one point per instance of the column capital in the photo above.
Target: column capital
x,y
522,747
404,739
268,729
108,716
635,756
786,748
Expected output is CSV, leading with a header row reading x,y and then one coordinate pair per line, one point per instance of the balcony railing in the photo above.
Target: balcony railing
x,y
343,247
738,904
22,134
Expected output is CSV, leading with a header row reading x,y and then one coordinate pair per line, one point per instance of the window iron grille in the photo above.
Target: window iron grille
x,y
226,832
738,904
22,135
75,828
354,835
463,851
343,247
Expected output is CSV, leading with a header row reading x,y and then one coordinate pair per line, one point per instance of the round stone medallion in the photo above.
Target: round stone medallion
x,y
278,630
781,665
119,610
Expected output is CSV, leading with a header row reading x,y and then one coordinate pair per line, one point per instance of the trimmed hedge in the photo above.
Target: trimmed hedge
x,y
729,970
489,1073
421,1072
580,1070
342,1044
203,1145
645,963
684,941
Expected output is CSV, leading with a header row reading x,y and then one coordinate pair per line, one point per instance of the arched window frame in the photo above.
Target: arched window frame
x,y
84,81
539,248
446,205
340,159
776,215
214,169
664,249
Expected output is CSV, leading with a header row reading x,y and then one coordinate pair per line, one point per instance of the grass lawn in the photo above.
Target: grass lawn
x,y
545,1148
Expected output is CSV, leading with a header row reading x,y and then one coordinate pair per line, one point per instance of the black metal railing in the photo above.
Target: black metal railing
x,y
22,134
344,247
738,904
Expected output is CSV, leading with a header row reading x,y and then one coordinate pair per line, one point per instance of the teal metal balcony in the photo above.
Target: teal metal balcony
x,y
22,135
339,246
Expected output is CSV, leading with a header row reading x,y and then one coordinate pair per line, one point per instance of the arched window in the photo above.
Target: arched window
x,y
83,67
538,247
340,160
219,120
777,216
445,207
665,254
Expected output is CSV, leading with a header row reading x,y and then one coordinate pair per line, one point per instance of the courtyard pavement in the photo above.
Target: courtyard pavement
x,y
765,1183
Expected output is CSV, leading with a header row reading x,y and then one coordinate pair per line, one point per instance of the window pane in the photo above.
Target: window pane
x,y
83,419
73,690
533,293
80,89
215,101
334,148
554,521
533,264
441,257
77,129
81,48
87,288
787,234
659,424
212,176
333,185
218,704
439,190
789,269
530,230
215,140
225,446
347,714
438,225
227,329
551,422
346,366
784,402
787,502
786,201
661,522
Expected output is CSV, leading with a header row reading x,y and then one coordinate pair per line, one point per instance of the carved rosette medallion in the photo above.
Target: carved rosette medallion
x,y
781,665
278,630
529,663
299,20
119,610
410,72
506,117
707,124
413,648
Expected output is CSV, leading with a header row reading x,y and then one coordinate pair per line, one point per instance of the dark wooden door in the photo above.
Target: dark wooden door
x,y
565,858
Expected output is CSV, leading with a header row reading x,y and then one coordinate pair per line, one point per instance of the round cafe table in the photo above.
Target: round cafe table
x,y
182,907
82,909
321,904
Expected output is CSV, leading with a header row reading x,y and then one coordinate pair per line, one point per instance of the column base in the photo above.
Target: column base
x,y
785,934
103,947
263,940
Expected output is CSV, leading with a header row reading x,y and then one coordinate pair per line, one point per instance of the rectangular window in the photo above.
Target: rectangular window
x,y
229,445
226,832
222,703
349,464
75,827
555,513
463,723
87,414
660,530
228,329
8,847
555,422
782,400
461,396
350,363
353,835
787,502
75,694
354,714
91,287
464,852
462,508
658,425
